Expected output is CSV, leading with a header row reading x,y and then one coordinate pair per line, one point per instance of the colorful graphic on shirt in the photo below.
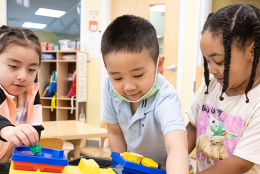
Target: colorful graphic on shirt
x,y
217,139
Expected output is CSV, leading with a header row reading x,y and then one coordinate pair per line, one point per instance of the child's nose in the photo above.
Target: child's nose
x,y
129,87
212,69
22,76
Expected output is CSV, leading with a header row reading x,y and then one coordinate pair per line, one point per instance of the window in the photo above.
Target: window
x,y
51,20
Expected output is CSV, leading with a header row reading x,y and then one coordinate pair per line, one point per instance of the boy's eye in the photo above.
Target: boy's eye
x,y
118,79
139,75
32,70
12,66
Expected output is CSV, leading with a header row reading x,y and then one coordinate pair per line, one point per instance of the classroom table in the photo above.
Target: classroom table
x,y
72,131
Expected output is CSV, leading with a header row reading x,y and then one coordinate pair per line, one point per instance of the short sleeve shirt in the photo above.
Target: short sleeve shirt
x,y
156,116
220,133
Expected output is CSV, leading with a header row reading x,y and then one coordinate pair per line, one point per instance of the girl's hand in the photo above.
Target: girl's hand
x,y
19,135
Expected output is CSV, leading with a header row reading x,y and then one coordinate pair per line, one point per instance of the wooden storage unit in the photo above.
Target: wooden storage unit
x,y
62,102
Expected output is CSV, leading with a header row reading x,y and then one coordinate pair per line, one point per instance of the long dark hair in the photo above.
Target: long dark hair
x,y
238,24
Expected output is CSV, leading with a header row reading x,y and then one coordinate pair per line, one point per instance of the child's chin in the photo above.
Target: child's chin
x,y
16,92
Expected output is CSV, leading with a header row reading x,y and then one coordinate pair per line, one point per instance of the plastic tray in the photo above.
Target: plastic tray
x,y
122,166
35,166
47,156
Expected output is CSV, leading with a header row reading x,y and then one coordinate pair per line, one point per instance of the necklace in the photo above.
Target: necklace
x,y
232,106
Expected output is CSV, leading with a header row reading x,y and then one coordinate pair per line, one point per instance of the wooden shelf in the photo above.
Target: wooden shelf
x,y
63,68
61,51
46,98
48,60
67,61
47,107
65,98
49,51
69,108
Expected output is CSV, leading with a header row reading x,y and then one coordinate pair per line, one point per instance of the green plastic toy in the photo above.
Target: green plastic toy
x,y
36,149
56,47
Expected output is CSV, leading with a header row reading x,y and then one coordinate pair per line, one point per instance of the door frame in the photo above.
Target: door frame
x,y
204,7
181,47
106,20
3,12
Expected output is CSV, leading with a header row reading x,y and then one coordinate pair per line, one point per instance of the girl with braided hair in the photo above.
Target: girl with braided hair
x,y
225,114
20,107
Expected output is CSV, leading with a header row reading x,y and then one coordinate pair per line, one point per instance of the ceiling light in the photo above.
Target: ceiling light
x,y
34,25
49,12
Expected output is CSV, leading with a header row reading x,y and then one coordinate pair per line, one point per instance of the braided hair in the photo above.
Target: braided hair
x,y
238,24
20,37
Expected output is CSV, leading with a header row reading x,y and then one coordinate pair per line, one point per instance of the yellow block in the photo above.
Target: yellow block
x,y
107,171
84,167
149,163
133,157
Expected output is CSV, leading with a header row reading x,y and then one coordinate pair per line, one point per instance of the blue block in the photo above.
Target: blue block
x,y
47,156
58,153
122,166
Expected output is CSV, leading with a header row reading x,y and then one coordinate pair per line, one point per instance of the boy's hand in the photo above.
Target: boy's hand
x,y
19,135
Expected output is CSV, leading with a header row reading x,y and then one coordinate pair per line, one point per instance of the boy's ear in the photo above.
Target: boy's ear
x,y
160,63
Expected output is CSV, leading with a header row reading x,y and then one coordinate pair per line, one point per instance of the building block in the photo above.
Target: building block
x,y
47,156
89,165
85,167
58,153
123,166
133,157
35,149
107,171
35,166
149,163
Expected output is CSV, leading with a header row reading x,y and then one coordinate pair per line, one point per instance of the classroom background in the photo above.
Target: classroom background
x,y
70,33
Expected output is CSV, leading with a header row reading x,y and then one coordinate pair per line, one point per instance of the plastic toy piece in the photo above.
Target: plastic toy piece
x,y
35,166
58,153
121,166
47,156
133,157
36,149
89,165
84,167
149,163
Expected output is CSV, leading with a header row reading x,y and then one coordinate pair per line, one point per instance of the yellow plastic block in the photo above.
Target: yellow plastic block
x,y
149,163
133,157
190,172
88,165
84,167
107,171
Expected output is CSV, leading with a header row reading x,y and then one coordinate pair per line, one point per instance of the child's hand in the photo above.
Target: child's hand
x,y
19,135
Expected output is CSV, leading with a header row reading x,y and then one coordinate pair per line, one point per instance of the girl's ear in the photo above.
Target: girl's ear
x,y
251,50
160,64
